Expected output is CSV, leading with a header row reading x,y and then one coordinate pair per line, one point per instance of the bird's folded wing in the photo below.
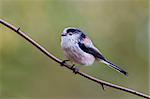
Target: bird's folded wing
x,y
87,46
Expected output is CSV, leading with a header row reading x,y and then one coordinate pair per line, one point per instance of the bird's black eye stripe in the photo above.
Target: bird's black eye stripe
x,y
71,30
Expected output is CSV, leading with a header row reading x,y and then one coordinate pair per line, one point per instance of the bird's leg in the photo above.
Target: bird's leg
x,y
102,86
74,69
63,62
72,66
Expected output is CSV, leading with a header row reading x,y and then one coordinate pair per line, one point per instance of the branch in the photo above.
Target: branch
x,y
44,51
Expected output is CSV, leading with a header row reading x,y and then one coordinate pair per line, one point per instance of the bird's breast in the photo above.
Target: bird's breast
x,y
74,53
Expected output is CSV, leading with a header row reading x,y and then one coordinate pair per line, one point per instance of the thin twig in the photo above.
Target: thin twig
x,y
42,49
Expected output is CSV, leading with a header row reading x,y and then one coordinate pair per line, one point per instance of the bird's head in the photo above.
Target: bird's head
x,y
72,33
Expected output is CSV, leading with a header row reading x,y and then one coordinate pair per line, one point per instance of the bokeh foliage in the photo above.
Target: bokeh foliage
x,y
119,28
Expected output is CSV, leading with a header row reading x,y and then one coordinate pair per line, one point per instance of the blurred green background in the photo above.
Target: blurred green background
x,y
119,28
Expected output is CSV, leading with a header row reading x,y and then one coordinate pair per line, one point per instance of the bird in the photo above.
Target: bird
x,y
79,49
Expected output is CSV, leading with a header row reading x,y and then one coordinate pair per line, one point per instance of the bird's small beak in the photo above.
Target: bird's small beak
x,y
63,34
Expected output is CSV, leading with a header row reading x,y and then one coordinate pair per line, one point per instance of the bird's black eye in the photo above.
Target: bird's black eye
x,y
70,33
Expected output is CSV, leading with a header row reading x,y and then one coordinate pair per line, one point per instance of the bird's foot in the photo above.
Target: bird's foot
x,y
74,69
63,62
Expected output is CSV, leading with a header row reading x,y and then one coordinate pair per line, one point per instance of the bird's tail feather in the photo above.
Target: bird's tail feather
x,y
114,66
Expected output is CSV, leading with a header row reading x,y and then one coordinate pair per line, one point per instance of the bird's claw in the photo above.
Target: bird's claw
x,y
74,69
63,62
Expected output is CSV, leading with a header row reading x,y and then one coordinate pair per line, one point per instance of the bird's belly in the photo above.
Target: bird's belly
x,y
78,56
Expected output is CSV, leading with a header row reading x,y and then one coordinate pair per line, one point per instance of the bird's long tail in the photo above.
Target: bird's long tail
x,y
114,66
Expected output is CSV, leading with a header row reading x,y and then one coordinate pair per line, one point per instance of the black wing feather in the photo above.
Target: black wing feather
x,y
92,51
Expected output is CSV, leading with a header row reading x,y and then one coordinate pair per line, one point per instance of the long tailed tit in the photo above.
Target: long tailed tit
x,y
78,48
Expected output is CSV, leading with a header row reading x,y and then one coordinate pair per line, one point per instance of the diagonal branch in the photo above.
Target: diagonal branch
x,y
44,51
